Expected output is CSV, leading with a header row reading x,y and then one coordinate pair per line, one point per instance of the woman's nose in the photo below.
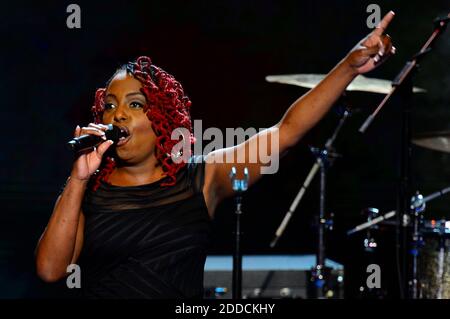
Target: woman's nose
x,y
121,114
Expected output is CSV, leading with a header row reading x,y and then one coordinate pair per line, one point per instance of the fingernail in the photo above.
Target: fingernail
x,y
392,12
78,127
111,141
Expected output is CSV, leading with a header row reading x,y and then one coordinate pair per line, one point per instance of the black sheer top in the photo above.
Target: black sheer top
x,y
146,241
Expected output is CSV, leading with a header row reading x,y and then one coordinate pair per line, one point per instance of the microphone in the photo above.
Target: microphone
x,y
88,141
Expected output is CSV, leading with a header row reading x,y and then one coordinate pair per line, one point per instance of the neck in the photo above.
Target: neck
x,y
146,172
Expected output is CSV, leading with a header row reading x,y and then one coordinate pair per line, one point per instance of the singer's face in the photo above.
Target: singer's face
x,y
124,103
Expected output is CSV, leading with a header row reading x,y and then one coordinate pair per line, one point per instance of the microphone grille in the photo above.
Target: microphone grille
x,y
113,133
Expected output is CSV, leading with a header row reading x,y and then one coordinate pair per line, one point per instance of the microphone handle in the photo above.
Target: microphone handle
x,y
88,141
84,142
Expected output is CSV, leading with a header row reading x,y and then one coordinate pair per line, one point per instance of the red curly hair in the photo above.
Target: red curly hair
x,y
167,108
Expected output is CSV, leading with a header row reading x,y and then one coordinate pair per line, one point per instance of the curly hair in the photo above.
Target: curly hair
x,y
167,108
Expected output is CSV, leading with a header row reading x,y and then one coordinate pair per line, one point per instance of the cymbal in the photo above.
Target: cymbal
x,y
360,83
438,141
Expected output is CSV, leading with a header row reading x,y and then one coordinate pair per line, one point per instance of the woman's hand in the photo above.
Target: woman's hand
x,y
87,163
373,50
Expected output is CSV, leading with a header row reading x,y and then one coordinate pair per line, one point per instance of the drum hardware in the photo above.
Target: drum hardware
x,y
417,202
324,159
417,207
372,222
437,227
370,243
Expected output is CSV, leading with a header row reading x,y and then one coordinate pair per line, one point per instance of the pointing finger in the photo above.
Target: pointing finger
x,y
382,26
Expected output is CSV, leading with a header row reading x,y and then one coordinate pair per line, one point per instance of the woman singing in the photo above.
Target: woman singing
x,y
135,218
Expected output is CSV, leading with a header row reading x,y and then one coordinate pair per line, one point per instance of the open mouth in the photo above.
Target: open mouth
x,y
123,140
125,136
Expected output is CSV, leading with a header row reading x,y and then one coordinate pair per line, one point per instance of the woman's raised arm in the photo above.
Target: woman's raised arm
x,y
301,116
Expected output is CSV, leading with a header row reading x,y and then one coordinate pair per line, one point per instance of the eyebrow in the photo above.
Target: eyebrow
x,y
128,95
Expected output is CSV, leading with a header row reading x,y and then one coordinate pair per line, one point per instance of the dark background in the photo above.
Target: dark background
x,y
221,52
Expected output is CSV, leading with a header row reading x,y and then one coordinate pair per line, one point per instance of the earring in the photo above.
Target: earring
x,y
176,155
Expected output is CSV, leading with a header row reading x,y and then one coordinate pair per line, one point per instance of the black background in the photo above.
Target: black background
x,y
221,52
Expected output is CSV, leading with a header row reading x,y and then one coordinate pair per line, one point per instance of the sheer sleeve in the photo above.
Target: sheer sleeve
x,y
196,171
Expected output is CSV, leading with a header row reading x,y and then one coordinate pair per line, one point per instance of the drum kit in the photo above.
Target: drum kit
x,y
430,238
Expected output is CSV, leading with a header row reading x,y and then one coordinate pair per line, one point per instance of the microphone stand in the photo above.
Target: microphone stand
x,y
239,186
440,25
403,83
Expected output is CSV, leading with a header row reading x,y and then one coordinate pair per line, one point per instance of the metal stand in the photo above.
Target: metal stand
x,y
417,208
328,150
239,186
324,158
